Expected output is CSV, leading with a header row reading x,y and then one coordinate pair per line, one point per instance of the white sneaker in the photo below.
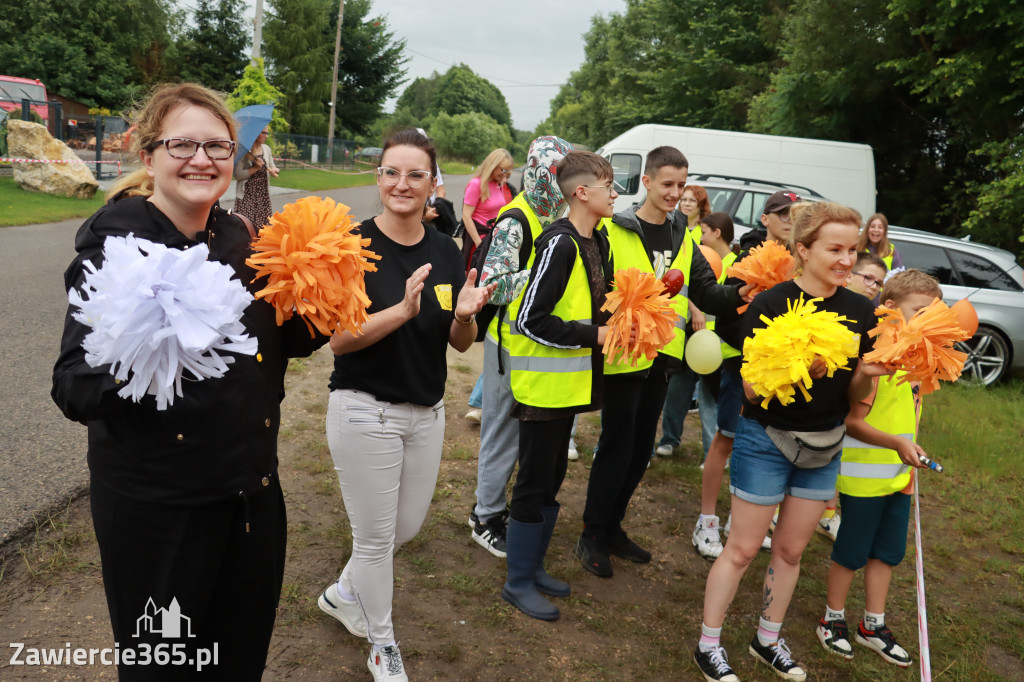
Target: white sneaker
x,y
765,544
828,527
386,664
345,612
574,454
706,538
664,451
474,415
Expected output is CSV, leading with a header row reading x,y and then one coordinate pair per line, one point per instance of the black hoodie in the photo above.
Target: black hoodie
x,y
220,437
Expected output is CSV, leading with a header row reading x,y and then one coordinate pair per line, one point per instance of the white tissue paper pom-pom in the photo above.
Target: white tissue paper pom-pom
x,y
156,312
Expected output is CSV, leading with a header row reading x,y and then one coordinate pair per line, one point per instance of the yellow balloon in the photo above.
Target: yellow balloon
x,y
704,351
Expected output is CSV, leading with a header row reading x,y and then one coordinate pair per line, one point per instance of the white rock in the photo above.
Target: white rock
x,y
32,141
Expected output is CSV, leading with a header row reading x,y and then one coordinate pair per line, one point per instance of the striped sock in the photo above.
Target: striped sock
x,y
768,632
710,638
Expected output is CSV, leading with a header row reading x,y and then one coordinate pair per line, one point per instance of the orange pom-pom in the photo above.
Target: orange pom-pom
x,y
764,267
967,316
714,260
315,265
922,347
638,299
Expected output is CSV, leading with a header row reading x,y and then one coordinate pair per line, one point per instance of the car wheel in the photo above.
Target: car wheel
x,y
988,357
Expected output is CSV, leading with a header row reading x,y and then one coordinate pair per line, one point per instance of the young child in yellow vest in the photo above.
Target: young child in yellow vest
x,y
875,483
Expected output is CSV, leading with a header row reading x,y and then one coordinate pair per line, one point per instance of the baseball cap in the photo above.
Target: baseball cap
x,y
780,200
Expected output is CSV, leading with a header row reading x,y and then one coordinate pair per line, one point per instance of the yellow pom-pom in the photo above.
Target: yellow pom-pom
x,y
315,265
776,359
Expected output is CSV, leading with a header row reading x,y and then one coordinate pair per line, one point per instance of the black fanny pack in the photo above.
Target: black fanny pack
x,y
808,449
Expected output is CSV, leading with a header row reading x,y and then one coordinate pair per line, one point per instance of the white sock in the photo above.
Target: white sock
x,y
831,614
873,621
345,594
710,638
767,631
705,519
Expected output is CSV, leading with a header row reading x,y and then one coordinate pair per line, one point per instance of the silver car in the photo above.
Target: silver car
x,y
992,279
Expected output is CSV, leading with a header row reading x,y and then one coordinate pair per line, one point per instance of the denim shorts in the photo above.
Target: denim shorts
x,y
760,474
730,398
872,528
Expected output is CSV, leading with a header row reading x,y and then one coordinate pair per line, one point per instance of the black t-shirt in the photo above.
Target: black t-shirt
x,y
830,404
659,241
408,365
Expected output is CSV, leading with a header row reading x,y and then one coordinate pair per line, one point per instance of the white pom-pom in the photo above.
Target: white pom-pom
x,y
156,312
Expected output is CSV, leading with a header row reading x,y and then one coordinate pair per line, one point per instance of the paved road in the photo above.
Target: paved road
x,y
43,454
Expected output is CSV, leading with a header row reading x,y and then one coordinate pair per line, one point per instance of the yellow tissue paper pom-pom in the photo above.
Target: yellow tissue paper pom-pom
x,y
777,357
315,265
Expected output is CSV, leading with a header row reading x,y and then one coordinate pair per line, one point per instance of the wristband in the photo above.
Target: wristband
x,y
471,320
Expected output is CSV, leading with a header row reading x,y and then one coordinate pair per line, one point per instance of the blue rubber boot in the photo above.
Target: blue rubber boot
x,y
544,582
525,545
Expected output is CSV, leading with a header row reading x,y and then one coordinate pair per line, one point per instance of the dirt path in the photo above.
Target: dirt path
x,y
642,624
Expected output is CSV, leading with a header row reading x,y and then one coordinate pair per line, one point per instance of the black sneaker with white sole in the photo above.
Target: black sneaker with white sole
x,y
884,643
715,665
777,657
834,635
491,535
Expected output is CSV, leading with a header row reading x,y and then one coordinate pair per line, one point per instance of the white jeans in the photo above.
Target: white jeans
x,y
387,456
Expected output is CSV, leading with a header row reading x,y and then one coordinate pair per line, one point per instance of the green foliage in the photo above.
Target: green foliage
x,y
418,97
467,137
101,52
299,44
212,50
460,91
658,63
254,88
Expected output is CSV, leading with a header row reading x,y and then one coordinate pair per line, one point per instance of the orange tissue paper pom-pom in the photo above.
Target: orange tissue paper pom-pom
x,y
638,298
764,267
921,349
315,265
714,260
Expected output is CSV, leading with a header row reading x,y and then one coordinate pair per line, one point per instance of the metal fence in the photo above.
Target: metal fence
x,y
297,151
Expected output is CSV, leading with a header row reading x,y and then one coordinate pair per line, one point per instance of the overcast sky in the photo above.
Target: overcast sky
x,y
526,48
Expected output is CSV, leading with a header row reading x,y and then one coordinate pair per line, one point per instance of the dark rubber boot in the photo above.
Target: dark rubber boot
x,y
525,546
544,582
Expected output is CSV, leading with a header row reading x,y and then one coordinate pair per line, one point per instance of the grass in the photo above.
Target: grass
x,y
21,207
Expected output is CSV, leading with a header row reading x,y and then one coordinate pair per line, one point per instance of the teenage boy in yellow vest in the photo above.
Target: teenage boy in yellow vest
x,y
652,238
507,265
875,483
555,356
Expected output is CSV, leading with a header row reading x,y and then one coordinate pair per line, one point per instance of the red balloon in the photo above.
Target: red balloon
x,y
714,260
673,281
967,315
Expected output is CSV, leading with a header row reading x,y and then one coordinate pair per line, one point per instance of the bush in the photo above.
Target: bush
x,y
467,137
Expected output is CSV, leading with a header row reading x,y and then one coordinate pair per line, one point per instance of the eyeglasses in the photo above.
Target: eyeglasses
x,y
869,281
609,187
184,148
784,215
506,171
390,177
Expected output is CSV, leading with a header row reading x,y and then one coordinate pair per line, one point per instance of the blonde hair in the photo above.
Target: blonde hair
x,y
149,121
808,219
908,282
884,247
495,159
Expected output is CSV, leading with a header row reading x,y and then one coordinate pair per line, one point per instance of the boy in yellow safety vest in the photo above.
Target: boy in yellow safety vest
x,y
555,357
875,483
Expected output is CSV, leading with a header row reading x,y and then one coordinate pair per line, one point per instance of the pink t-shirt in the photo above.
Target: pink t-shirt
x,y
486,210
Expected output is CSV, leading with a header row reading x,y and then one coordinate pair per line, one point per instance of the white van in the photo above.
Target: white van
x,y
840,171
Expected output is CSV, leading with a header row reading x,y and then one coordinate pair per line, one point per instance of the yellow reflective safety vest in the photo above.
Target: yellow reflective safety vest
x,y
628,251
886,259
727,350
870,471
513,308
545,376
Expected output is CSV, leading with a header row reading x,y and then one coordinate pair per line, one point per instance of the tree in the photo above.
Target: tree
x,y
418,96
460,91
213,50
101,52
299,44
467,137
254,88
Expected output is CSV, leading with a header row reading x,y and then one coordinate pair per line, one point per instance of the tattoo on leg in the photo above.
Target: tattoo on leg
x,y
768,598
